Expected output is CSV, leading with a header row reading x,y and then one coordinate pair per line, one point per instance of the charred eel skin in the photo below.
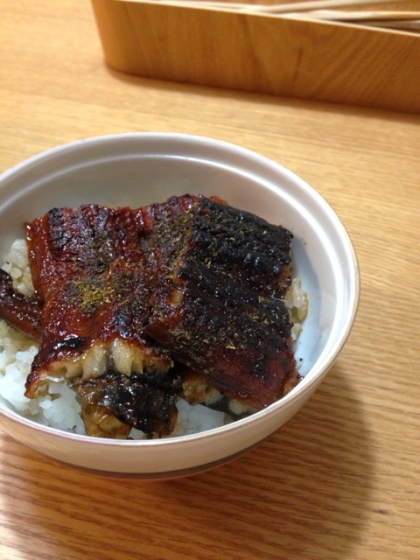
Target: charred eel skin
x,y
218,307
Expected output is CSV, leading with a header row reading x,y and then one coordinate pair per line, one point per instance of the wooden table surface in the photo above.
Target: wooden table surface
x,y
341,480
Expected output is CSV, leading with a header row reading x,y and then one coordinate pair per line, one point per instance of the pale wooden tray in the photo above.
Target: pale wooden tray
x,y
260,52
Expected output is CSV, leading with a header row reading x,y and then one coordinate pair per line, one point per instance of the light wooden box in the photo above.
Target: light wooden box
x,y
325,61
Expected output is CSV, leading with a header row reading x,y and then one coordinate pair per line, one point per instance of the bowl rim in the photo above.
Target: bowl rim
x,y
311,378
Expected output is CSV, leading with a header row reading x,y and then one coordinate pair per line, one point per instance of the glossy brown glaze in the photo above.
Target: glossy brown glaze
x,y
123,294
89,273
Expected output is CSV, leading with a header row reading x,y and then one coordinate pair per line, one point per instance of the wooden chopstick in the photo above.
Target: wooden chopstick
x,y
341,15
412,26
288,7
400,21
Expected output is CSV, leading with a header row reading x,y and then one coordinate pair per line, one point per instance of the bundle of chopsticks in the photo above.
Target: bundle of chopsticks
x,y
344,11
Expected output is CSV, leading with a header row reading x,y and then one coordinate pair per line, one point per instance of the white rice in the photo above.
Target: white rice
x,y
59,408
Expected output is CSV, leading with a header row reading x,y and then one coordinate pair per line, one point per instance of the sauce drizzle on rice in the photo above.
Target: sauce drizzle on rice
x,y
205,260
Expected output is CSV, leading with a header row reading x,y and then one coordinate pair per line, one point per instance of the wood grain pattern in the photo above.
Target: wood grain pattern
x,y
320,60
341,480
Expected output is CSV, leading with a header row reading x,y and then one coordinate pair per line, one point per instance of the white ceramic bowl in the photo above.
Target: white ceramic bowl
x,y
138,169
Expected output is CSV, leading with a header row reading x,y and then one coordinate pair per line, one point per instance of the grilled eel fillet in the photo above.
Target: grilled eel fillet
x,y
123,295
218,308
89,272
